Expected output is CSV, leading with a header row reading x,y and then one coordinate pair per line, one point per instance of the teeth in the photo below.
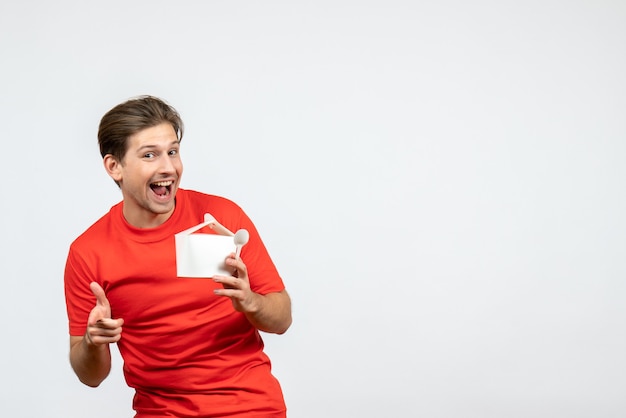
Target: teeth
x,y
163,183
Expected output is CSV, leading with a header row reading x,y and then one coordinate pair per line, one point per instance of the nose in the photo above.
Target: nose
x,y
167,165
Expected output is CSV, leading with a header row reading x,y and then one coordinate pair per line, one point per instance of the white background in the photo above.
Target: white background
x,y
441,184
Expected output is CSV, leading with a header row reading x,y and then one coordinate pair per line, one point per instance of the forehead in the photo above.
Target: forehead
x,y
159,135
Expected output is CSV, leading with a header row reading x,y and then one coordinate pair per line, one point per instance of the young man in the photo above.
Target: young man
x,y
191,347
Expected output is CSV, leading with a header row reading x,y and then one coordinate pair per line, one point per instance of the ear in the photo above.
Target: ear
x,y
113,167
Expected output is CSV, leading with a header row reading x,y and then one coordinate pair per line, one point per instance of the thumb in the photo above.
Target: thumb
x,y
98,292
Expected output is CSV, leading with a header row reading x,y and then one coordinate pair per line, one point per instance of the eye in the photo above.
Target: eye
x,y
173,152
149,155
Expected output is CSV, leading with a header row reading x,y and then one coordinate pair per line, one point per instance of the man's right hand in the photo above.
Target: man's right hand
x,y
101,328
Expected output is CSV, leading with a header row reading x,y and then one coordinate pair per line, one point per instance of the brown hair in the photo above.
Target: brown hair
x,y
130,117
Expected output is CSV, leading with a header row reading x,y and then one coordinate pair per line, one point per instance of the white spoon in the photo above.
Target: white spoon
x,y
241,238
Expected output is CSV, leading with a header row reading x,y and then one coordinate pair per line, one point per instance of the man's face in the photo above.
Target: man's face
x,y
149,175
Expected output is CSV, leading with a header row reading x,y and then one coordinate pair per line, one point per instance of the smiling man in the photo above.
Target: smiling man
x,y
148,174
191,347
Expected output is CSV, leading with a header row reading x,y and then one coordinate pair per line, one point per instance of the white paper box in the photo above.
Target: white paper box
x,y
203,255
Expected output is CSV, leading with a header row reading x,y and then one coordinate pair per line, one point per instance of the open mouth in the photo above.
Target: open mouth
x,y
162,188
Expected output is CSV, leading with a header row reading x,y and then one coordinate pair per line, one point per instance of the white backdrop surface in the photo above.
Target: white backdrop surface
x,y
441,184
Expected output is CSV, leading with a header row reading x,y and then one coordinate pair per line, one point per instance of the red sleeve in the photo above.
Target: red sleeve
x,y
262,272
79,299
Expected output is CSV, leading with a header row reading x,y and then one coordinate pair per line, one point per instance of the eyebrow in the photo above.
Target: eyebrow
x,y
151,146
